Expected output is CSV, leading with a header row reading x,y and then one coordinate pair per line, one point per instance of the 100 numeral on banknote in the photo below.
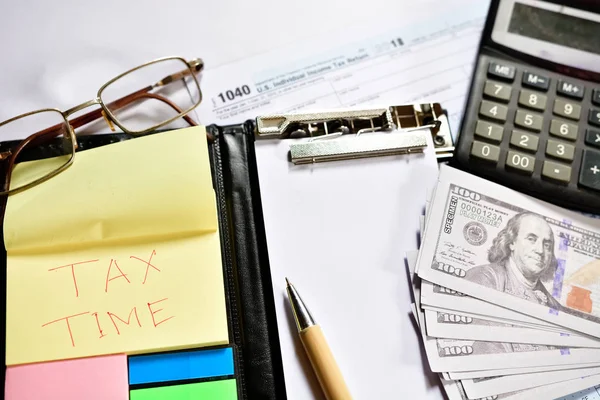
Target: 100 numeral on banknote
x,y
533,255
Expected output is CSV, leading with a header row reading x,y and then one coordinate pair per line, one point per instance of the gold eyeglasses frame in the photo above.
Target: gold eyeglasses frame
x,y
193,67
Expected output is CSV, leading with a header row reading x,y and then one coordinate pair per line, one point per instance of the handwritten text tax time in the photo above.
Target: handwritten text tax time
x,y
114,276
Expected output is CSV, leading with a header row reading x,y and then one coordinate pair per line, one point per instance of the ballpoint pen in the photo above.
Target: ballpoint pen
x,y
320,356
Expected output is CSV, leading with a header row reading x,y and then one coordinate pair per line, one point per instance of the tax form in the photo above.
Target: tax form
x,y
407,56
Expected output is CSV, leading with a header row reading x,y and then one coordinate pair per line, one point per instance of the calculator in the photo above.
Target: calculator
x,y
532,117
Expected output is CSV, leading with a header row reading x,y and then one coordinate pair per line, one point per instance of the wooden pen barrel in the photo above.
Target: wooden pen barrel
x,y
327,371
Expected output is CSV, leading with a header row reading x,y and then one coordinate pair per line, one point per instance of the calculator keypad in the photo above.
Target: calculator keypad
x,y
529,120
485,151
498,91
502,71
592,137
596,97
567,109
493,110
524,141
594,117
590,170
561,150
539,125
531,99
563,129
556,171
520,161
570,89
489,131
535,81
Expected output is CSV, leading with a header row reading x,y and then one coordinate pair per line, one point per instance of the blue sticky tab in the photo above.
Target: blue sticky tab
x,y
179,366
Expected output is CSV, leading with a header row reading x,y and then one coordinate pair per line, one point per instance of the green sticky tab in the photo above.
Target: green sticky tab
x,y
215,390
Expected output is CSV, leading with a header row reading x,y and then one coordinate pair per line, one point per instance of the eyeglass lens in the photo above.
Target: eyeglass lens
x,y
143,98
51,131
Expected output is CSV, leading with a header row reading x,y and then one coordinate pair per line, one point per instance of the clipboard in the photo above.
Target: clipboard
x,y
339,230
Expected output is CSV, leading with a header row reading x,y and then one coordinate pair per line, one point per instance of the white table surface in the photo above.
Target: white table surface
x,y
58,53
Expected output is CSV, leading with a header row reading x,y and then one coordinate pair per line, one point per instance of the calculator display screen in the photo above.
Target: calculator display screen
x,y
549,31
555,27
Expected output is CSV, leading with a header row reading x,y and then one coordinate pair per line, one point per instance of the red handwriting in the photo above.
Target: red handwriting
x,y
119,273
68,325
98,324
113,318
118,276
148,265
133,310
73,272
100,319
152,312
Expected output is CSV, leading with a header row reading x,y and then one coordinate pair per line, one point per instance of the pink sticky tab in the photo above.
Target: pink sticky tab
x,y
93,378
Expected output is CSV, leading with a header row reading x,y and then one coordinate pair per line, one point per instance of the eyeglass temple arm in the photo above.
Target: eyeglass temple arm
x,y
123,102
40,137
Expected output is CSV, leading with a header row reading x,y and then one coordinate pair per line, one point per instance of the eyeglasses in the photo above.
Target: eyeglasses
x,y
138,101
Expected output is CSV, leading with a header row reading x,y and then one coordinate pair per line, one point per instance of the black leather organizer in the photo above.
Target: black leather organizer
x,y
250,304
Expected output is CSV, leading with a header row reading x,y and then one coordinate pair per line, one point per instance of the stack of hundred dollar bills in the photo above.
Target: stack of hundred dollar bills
x,y
506,292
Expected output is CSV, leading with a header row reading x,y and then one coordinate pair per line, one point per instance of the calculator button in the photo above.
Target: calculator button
x,y
489,131
560,150
493,110
570,89
594,117
485,151
520,161
497,90
535,81
592,137
556,171
589,175
563,129
525,141
529,120
567,109
596,97
501,71
530,99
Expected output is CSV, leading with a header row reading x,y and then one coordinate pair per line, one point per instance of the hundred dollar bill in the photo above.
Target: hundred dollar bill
x,y
468,355
440,296
462,375
455,391
456,355
484,387
509,249
454,325
560,329
411,258
452,391
435,296
446,355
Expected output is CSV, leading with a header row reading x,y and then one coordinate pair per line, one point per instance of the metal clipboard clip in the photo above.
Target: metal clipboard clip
x,y
375,132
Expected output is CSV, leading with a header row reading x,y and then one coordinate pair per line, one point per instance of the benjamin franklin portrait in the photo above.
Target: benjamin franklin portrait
x,y
521,257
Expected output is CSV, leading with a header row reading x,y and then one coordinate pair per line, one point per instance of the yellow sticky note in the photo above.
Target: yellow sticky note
x,y
119,253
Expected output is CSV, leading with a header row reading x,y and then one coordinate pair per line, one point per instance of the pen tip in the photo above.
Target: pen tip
x,y
287,281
